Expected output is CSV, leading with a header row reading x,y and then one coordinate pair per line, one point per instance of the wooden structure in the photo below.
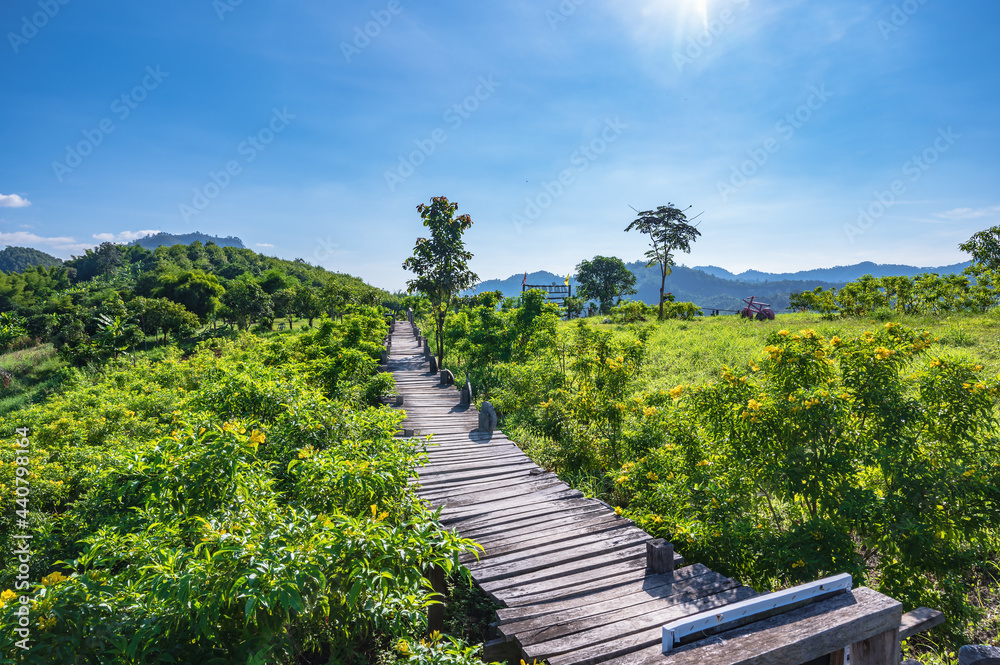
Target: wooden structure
x,y
578,584
557,292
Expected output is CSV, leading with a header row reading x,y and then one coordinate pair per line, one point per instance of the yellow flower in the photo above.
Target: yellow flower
x,y
6,597
704,462
784,333
936,362
652,476
403,648
773,351
883,352
618,510
677,392
649,411
837,342
53,578
753,405
256,438
799,564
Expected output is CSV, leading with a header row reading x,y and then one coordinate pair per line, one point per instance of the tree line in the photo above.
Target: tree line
x,y
114,297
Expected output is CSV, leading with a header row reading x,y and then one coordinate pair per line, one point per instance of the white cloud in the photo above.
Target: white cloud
x,y
970,213
264,244
13,201
61,244
124,236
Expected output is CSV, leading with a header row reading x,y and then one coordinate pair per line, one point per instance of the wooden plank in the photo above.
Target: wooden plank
x,y
751,610
522,512
540,484
454,517
466,512
796,637
512,480
503,543
531,523
519,564
638,584
555,573
917,621
645,600
612,574
881,649
591,631
482,492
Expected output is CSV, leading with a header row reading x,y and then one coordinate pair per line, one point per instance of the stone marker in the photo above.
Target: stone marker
x,y
487,418
427,348
447,378
466,393
978,654
434,365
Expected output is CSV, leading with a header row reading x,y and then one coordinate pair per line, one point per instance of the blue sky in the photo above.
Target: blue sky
x,y
806,134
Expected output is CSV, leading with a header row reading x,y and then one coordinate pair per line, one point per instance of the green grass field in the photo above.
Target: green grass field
x,y
693,352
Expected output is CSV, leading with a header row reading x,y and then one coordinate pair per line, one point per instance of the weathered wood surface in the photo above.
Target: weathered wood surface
x,y
570,574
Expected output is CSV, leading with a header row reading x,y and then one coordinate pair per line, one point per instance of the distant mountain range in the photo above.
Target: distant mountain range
x,y
837,274
169,239
716,288
19,259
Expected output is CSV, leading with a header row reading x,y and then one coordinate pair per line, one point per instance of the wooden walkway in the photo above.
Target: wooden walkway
x,y
570,574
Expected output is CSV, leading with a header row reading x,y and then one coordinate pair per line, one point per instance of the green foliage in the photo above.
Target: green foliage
x,y
928,293
440,262
984,247
668,230
603,279
233,506
19,259
861,449
246,301
12,329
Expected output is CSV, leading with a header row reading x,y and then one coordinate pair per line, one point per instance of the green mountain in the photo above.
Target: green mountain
x,y
711,287
164,239
19,259
837,274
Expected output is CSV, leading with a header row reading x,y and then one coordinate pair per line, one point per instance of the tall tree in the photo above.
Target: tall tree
x,y
603,279
668,230
985,249
440,262
246,301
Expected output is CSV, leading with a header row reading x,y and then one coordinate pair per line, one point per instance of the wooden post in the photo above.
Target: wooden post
x,y
435,613
659,556
883,649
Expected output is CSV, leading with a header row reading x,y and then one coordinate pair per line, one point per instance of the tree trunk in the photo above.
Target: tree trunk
x,y
663,281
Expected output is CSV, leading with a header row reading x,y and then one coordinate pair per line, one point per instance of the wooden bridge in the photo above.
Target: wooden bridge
x,y
579,584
